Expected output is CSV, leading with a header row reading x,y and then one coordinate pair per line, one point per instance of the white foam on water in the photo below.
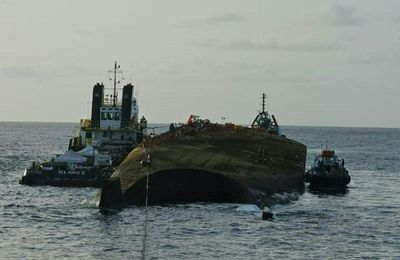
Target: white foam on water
x,y
285,197
248,208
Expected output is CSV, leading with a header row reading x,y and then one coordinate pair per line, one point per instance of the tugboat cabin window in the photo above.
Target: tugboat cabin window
x,y
110,115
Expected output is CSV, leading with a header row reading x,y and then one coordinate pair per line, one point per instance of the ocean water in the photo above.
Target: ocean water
x,y
54,223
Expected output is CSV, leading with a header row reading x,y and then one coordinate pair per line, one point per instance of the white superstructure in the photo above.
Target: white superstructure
x,y
114,123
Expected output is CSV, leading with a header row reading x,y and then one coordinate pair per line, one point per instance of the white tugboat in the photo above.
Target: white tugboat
x,y
102,142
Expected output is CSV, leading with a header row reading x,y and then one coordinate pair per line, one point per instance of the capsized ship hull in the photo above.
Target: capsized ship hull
x,y
216,163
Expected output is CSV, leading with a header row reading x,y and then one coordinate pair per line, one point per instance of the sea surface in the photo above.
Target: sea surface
x,y
54,223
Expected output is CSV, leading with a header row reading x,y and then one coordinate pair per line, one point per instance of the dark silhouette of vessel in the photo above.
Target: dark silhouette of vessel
x,y
328,172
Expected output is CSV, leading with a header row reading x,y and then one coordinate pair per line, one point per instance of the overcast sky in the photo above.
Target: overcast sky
x,y
331,63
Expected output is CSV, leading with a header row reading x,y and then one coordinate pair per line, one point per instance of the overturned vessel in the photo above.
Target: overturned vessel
x,y
209,162
101,143
327,172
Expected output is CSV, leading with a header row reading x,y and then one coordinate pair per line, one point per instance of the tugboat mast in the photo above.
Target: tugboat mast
x,y
115,71
115,83
263,102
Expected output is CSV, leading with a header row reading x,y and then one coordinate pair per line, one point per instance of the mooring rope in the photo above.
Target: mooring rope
x,y
148,162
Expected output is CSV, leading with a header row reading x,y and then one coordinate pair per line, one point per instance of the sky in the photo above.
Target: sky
x,y
321,63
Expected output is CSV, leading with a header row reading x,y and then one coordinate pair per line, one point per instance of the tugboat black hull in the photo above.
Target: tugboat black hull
x,y
327,181
38,178
60,182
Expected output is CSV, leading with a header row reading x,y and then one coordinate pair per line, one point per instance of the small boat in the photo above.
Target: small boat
x,y
328,172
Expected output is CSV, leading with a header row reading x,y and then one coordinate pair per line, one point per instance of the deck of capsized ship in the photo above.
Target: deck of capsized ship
x,y
217,164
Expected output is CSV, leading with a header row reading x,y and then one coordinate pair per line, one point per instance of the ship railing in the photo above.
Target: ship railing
x,y
86,123
109,102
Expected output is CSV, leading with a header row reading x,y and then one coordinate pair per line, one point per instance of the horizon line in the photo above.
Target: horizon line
x,y
289,125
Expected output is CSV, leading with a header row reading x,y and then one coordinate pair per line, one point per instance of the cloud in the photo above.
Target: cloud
x,y
374,59
8,2
43,71
20,72
339,15
83,32
396,33
272,45
395,20
224,18
213,20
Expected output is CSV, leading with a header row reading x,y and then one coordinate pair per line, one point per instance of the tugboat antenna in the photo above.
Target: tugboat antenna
x,y
115,71
115,83
263,102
